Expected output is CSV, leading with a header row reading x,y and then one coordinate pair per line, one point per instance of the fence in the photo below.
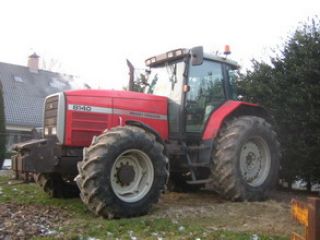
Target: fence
x,y
308,215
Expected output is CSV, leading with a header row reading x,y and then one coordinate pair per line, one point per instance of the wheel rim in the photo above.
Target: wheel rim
x,y
132,175
255,161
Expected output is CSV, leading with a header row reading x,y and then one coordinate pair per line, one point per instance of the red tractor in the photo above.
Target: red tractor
x,y
122,146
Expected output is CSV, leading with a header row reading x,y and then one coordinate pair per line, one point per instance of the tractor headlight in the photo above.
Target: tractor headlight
x,y
54,131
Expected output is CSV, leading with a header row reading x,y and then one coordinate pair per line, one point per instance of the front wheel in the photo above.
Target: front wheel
x,y
245,159
123,173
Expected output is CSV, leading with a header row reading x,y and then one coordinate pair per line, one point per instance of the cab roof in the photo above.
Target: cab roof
x,y
182,52
220,59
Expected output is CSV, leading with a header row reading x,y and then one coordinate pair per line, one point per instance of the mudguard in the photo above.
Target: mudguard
x,y
228,109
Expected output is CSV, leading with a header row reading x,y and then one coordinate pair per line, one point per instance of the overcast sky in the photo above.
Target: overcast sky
x,y
92,39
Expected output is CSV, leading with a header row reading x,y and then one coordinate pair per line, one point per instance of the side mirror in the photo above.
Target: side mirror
x,y
196,55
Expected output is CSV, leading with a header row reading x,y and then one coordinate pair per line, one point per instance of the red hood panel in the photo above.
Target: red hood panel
x,y
89,112
113,93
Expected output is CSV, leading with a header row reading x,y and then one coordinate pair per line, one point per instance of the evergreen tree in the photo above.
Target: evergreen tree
x,y
290,88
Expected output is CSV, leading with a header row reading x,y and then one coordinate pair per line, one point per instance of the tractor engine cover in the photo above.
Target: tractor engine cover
x,y
89,112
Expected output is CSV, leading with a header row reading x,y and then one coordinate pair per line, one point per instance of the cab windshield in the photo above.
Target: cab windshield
x,y
166,80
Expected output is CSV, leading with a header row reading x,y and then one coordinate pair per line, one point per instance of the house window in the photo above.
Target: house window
x,y
18,79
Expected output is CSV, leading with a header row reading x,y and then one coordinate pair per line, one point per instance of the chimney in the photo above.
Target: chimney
x,y
33,63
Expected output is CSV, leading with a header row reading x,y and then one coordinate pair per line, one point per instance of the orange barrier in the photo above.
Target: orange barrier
x,y
308,215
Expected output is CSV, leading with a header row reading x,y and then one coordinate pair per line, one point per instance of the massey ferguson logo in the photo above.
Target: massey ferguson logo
x,y
81,108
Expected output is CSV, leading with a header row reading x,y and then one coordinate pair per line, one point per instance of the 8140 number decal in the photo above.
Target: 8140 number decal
x,y
80,108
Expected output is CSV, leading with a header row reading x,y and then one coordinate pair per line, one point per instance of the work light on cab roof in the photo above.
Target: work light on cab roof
x,y
196,54
165,57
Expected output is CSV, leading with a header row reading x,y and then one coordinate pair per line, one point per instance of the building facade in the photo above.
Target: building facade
x,y
24,91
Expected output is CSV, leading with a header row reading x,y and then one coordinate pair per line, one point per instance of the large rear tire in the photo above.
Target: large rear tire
x,y
122,173
245,159
56,186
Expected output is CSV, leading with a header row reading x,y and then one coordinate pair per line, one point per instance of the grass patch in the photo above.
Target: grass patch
x,y
29,193
80,224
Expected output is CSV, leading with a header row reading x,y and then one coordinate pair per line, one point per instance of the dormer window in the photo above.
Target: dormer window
x,y
18,79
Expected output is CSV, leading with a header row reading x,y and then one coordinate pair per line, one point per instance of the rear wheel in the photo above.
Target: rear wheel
x,y
56,186
123,173
246,159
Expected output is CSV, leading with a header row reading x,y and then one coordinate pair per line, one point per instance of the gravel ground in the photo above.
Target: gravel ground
x,y
206,208
19,222
270,217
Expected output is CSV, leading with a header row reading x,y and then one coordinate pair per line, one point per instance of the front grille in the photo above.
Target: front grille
x,y
50,114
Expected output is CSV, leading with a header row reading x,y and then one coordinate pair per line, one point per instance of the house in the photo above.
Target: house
x,y
24,91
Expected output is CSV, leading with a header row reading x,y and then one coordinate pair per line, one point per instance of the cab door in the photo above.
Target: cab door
x,y
207,92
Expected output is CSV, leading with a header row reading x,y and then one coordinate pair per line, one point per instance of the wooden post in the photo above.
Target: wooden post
x,y
313,218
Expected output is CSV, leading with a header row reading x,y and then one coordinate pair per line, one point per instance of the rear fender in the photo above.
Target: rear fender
x,y
229,110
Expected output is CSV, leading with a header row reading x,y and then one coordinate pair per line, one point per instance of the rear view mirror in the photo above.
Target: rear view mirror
x,y
196,55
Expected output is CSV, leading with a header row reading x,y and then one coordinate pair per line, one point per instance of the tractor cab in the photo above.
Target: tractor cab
x,y
195,83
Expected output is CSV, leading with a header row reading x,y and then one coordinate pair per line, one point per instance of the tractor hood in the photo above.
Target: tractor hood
x,y
113,94
89,112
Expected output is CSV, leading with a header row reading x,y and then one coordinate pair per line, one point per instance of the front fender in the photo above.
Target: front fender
x,y
147,128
